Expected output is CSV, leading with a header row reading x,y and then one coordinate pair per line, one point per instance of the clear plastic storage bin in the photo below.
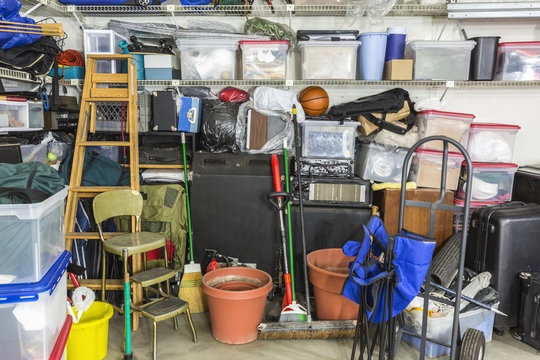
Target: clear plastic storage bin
x,y
490,182
453,125
14,116
35,114
492,142
32,315
34,153
329,59
264,59
103,42
321,2
207,59
379,162
328,139
473,206
441,329
440,60
518,61
32,238
426,169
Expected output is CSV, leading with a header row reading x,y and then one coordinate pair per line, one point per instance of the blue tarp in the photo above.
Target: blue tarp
x,y
9,11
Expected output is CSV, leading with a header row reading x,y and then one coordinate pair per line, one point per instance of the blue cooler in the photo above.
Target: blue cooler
x,y
189,115
32,314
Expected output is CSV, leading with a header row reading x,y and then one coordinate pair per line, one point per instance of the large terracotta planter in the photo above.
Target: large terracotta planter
x,y
236,298
328,270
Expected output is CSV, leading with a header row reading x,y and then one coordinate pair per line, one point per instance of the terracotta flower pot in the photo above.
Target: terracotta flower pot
x,y
328,270
236,298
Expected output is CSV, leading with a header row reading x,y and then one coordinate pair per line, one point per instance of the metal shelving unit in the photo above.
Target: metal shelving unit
x,y
328,83
494,10
51,8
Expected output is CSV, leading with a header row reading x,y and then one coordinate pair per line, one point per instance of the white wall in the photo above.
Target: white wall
x,y
501,105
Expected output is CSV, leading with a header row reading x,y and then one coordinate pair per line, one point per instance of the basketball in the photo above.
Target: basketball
x,y
314,100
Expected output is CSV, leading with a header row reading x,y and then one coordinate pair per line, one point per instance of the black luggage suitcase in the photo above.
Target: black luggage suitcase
x,y
527,184
530,303
505,240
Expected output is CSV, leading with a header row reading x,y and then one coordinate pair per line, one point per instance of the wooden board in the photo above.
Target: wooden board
x,y
415,219
258,134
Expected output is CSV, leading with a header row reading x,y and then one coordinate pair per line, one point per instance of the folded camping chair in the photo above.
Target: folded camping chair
x,y
399,263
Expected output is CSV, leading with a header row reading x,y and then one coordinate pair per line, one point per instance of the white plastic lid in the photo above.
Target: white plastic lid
x,y
330,123
397,30
465,45
184,44
351,43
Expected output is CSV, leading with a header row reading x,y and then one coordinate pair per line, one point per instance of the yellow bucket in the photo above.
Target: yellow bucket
x,y
89,338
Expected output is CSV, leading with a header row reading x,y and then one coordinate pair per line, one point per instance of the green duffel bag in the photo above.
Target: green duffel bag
x,y
26,183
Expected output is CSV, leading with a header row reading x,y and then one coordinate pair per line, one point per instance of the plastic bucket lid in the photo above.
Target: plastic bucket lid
x,y
397,30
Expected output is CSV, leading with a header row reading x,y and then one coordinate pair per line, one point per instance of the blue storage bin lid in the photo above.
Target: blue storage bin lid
x,y
28,292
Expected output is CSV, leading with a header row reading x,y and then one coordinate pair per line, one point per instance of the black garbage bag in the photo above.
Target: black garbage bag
x,y
219,126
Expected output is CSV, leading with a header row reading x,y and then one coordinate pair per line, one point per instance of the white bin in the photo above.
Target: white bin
x,y
32,238
32,315
207,59
329,59
328,139
264,59
379,162
440,60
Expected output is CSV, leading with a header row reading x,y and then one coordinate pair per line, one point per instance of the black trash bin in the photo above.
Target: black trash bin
x,y
483,58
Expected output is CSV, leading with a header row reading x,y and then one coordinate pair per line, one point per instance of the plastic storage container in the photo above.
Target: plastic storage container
x,y
473,205
518,61
427,166
321,2
35,114
209,59
14,116
264,59
32,315
328,139
440,60
453,125
490,182
34,153
441,329
371,55
103,42
492,142
32,238
379,162
484,58
329,59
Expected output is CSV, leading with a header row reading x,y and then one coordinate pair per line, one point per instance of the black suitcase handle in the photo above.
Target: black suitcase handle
x,y
535,316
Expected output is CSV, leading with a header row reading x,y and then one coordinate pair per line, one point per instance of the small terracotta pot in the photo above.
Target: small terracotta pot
x,y
328,270
236,298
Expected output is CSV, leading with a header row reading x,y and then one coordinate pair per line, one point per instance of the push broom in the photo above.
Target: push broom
x,y
305,329
190,286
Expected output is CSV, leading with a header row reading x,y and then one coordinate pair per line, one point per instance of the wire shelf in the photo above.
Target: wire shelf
x,y
327,83
50,8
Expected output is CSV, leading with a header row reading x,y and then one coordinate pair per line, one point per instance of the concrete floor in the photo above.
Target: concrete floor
x,y
179,345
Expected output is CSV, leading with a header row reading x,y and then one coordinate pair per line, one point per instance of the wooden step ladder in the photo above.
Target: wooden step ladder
x,y
96,90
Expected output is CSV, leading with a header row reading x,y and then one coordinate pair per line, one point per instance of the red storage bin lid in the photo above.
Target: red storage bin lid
x,y
519,43
492,165
495,126
447,113
476,204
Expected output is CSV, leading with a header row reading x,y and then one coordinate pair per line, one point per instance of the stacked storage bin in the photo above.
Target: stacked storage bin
x,y
103,42
33,287
491,149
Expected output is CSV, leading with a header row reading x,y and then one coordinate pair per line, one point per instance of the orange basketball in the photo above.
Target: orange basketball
x,y
314,100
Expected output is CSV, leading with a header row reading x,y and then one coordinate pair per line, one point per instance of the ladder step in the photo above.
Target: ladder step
x,y
92,235
102,143
98,189
110,78
166,309
108,56
104,99
113,93
153,276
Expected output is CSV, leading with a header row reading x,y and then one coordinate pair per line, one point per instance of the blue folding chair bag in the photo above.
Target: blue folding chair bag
x,y
411,259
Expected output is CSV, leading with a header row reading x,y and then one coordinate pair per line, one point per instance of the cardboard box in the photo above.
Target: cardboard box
x,y
398,69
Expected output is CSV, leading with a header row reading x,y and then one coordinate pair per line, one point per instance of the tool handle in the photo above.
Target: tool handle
x,y
275,172
288,289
